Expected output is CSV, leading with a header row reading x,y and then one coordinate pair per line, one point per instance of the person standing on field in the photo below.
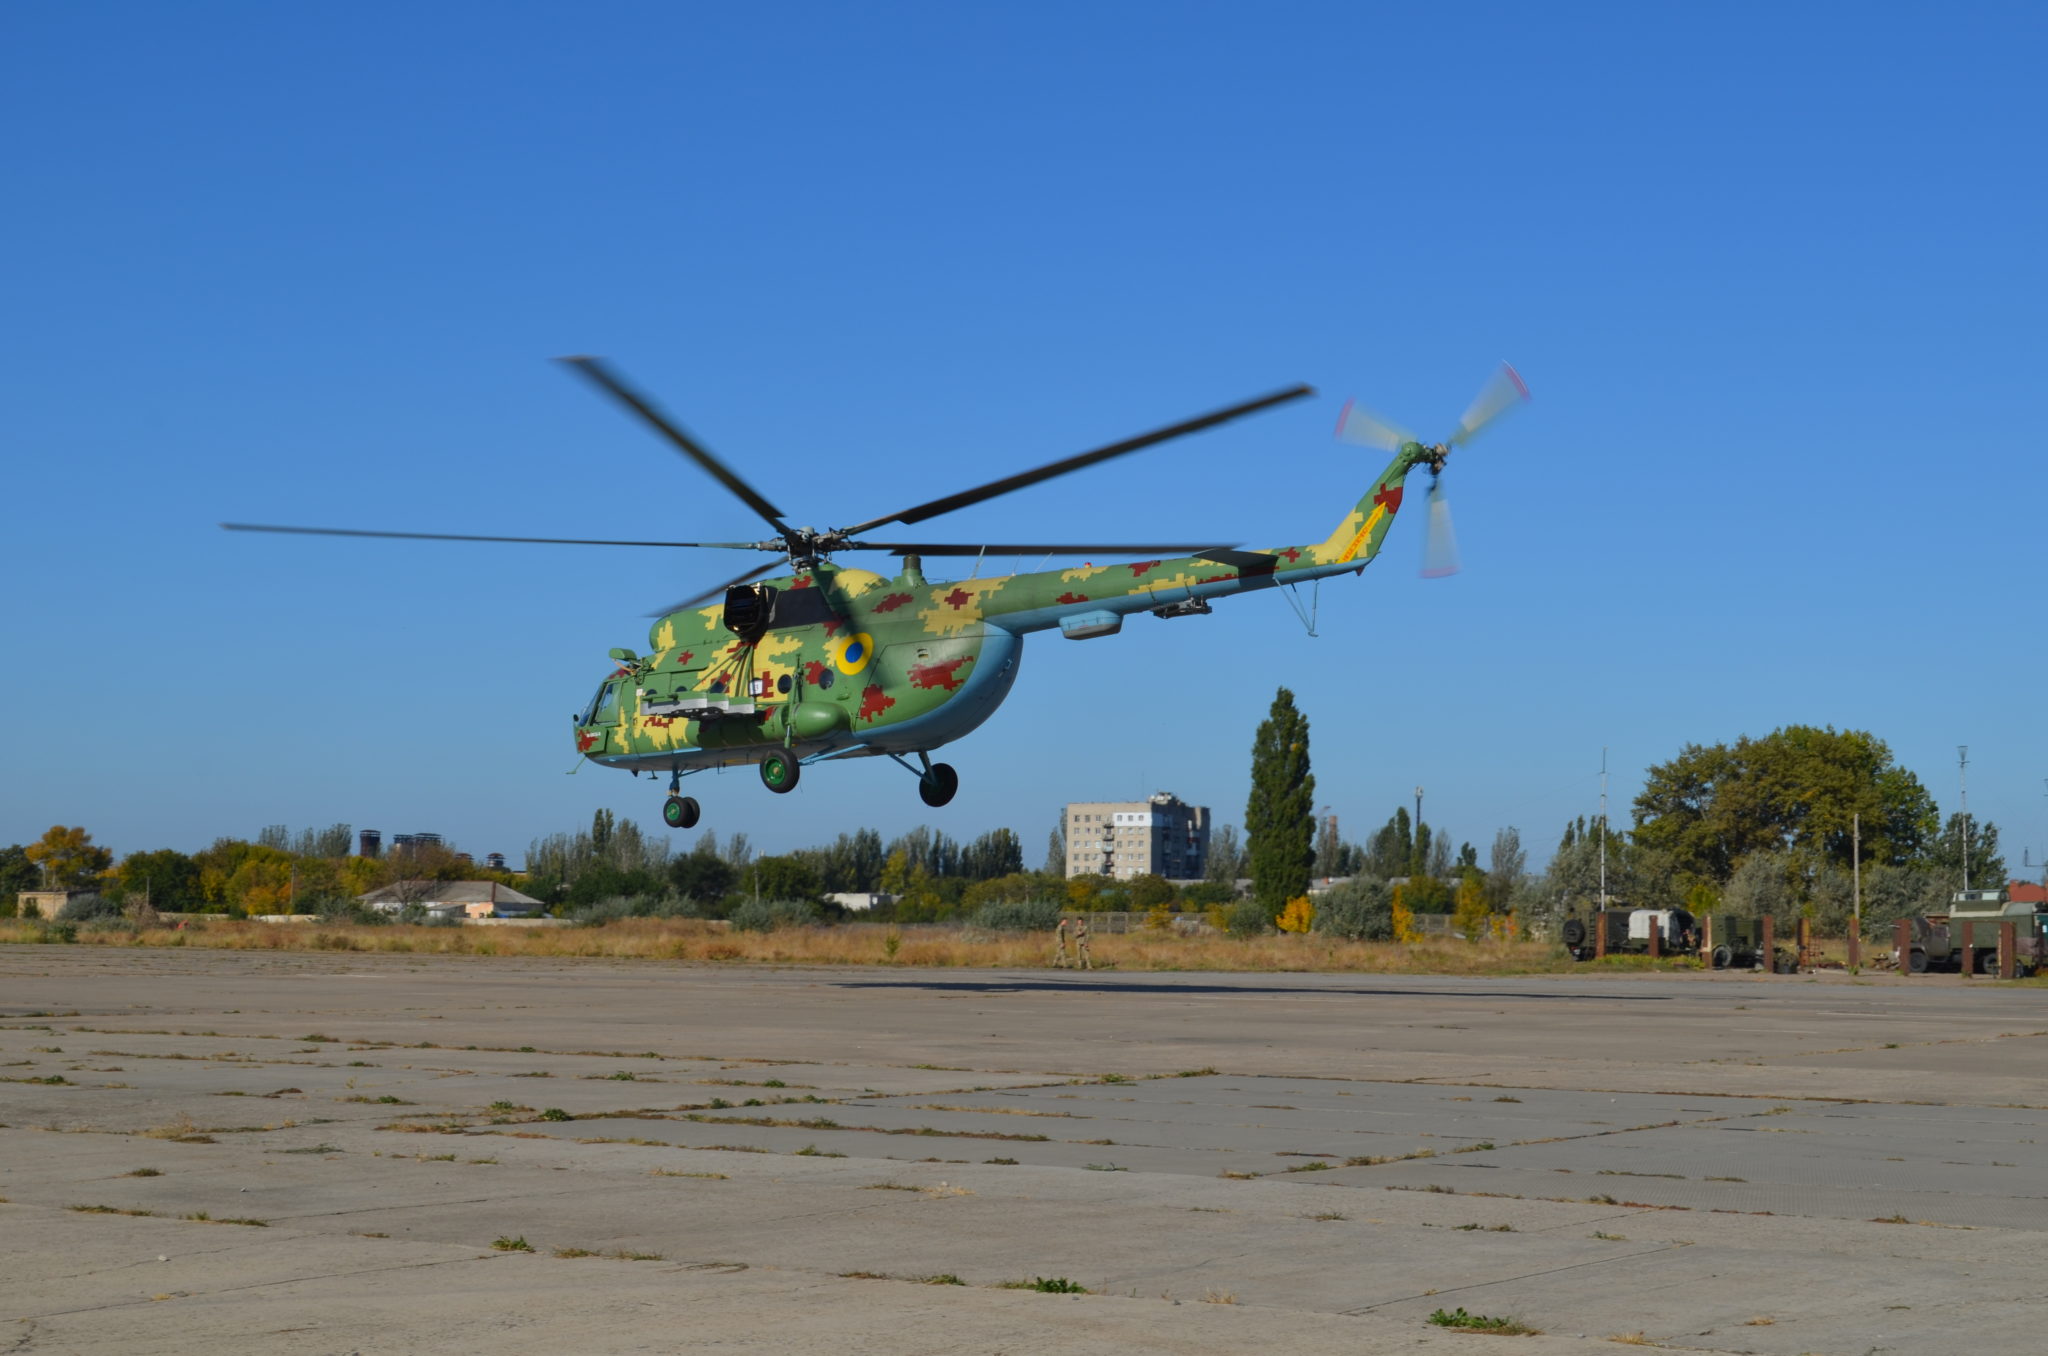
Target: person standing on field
x,y
1059,949
1081,945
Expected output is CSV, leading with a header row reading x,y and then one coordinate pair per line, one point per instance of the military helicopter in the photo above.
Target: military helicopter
x,y
829,662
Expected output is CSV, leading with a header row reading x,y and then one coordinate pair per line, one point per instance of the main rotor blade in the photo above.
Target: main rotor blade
x,y
715,590
976,495
1439,542
609,381
1503,391
460,536
929,548
1356,424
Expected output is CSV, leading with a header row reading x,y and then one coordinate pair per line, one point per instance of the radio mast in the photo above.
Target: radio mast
x,y
1603,826
1963,779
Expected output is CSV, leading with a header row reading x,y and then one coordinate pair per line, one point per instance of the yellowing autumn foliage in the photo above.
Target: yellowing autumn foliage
x,y
1298,916
1470,919
1404,919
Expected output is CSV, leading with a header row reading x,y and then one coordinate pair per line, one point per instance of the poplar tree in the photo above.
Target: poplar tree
x,y
1279,819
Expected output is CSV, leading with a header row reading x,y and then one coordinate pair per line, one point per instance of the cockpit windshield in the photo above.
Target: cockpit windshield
x,y
604,706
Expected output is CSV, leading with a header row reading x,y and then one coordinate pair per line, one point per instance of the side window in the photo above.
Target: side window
x,y
604,707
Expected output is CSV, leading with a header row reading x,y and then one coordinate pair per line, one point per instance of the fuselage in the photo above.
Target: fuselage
x,y
850,663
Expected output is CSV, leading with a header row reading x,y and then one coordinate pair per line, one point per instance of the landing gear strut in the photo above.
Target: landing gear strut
x,y
936,782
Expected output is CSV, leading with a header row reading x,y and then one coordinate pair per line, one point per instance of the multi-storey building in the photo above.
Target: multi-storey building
x,y
1160,836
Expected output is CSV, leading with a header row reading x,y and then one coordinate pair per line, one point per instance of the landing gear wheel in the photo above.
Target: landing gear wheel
x,y
681,812
938,785
779,772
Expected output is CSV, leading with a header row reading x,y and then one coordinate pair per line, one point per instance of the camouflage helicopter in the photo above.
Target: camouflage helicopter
x,y
828,662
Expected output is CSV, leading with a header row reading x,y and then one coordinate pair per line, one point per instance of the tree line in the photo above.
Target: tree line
x,y
1777,825
1780,826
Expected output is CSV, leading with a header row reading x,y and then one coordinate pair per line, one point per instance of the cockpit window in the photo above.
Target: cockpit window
x,y
604,707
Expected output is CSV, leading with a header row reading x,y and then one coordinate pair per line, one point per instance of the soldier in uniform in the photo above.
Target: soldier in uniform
x,y
1059,949
1081,945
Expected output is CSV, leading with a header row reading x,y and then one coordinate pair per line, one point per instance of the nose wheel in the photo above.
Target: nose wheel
x,y
681,812
938,784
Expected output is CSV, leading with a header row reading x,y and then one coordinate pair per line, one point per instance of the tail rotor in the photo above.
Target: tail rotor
x,y
1503,391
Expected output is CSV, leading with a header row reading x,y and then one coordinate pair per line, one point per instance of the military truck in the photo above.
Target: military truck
x,y
1938,937
1629,931
1738,944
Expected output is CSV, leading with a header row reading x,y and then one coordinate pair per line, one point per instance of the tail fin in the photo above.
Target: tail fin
x,y
1357,538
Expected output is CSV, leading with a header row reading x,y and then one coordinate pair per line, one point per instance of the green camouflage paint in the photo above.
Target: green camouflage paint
x,y
861,655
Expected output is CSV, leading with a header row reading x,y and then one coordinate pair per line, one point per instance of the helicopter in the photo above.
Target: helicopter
x,y
827,661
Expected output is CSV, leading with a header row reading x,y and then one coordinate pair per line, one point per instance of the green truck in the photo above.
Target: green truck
x,y
1938,938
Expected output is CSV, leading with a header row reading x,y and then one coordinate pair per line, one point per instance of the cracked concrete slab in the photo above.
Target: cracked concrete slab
x,y
172,1085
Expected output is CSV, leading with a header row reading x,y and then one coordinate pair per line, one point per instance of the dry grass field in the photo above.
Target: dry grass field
x,y
860,944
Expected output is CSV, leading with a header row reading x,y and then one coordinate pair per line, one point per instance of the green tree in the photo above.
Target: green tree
x,y
702,876
1225,861
1056,850
781,878
1506,867
1894,892
1147,890
18,872
1359,909
166,878
896,873
1388,853
1279,818
1017,888
1427,894
1797,788
68,858
995,853
1944,854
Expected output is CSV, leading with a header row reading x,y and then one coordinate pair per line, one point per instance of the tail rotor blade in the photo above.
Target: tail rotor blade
x,y
1502,392
1356,424
1439,542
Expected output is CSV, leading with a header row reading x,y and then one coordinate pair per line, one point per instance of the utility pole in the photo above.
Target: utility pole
x,y
1603,826
1963,779
1856,871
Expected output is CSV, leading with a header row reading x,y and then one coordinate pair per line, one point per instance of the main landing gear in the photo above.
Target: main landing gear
x,y
679,811
779,771
937,784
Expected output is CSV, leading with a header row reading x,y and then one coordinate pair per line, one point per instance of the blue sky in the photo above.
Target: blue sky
x,y
1773,272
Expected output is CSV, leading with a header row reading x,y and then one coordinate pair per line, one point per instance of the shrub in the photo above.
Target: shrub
x,y
770,915
1246,918
1360,909
1298,916
88,908
101,926
615,907
335,910
1006,915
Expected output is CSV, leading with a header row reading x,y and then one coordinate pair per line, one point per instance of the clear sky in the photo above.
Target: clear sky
x,y
1774,272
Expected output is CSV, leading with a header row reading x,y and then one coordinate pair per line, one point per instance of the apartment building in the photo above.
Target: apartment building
x,y
1161,836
